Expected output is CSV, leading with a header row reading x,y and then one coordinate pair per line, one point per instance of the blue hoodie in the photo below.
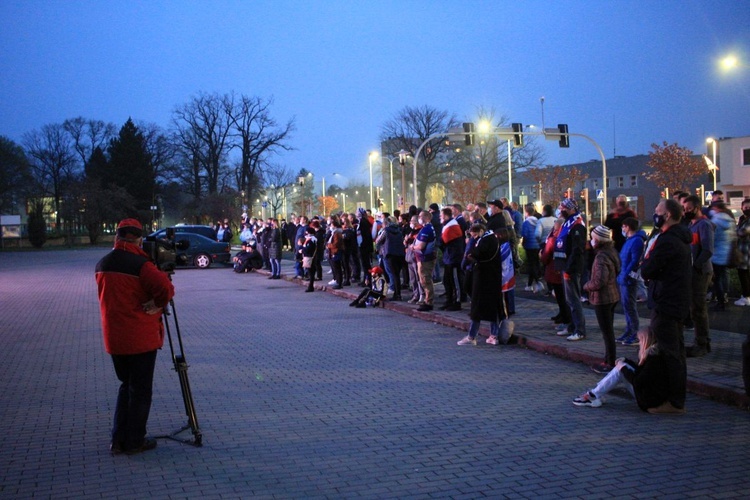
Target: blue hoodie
x,y
630,257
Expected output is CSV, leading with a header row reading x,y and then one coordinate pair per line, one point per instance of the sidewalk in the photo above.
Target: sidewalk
x,y
717,376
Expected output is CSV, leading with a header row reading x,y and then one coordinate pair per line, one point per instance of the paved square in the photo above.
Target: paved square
x,y
300,396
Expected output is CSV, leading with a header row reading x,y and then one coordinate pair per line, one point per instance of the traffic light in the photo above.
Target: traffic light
x,y
517,134
564,138
469,131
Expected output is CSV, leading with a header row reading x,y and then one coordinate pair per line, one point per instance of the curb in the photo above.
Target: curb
x,y
697,387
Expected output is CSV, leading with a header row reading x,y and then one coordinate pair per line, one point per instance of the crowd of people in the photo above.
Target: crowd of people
x,y
474,252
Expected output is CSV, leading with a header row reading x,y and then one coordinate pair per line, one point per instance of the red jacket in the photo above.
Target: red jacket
x,y
126,280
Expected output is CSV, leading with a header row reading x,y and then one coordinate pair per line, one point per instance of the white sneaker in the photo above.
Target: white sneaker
x,y
576,336
528,289
332,282
492,340
467,341
539,287
584,299
742,301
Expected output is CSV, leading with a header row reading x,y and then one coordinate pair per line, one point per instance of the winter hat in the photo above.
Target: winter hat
x,y
569,204
361,212
434,207
497,203
602,233
129,226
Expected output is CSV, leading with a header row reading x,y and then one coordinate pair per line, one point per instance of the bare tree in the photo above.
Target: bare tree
x,y
487,159
162,149
279,181
203,125
88,135
53,161
258,136
412,126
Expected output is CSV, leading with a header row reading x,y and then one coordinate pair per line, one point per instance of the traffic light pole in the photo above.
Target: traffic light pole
x,y
508,135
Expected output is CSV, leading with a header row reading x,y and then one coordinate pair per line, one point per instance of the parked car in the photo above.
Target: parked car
x,y
206,231
202,251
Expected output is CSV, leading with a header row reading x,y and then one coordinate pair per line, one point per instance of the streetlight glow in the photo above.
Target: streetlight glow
x,y
729,62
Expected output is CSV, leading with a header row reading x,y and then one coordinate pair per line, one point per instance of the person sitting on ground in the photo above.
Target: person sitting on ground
x,y
247,260
645,380
376,293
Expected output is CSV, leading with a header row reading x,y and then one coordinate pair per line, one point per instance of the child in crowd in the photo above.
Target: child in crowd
x,y
376,293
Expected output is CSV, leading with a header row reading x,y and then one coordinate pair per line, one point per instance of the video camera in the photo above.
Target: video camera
x,y
163,251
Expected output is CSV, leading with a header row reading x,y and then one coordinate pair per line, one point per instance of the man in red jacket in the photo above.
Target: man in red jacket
x,y
132,294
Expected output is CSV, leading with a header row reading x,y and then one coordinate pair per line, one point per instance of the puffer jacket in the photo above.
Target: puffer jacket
x,y
126,280
724,238
602,286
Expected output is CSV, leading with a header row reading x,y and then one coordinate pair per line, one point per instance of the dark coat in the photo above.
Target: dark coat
x,y
650,380
667,268
486,280
274,243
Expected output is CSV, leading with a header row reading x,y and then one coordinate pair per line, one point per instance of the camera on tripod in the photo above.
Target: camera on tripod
x,y
163,251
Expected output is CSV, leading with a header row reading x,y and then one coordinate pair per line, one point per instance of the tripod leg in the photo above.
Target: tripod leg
x,y
187,396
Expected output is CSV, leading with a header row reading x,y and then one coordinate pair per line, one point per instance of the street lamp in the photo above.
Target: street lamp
x,y
712,166
391,159
402,160
343,201
370,157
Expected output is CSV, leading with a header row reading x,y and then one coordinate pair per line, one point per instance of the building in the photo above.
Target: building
x,y
733,174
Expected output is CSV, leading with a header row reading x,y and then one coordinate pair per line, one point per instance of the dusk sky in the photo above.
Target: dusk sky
x,y
626,73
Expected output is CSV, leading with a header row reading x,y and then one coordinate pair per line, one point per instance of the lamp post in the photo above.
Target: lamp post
x,y
402,160
343,201
510,173
713,167
370,156
390,160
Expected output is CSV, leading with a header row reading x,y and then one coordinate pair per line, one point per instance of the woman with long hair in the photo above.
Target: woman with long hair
x,y
646,380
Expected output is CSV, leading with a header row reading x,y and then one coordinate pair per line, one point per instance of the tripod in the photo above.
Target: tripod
x,y
181,366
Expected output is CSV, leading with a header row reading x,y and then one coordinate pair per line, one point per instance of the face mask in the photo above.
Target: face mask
x,y
689,215
658,220
593,243
746,212
489,210
625,233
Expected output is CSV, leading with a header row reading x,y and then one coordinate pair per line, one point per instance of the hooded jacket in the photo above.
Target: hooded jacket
x,y
667,267
126,279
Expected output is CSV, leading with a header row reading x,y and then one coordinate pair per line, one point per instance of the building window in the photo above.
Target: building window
x,y
595,183
633,181
607,182
621,182
746,157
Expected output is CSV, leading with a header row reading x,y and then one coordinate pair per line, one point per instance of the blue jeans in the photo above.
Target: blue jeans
x,y
474,329
572,287
628,295
136,374
275,267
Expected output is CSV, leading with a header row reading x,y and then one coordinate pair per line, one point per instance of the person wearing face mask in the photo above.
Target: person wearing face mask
x,y
569,259
702,249
495,217
615,218
627,279
417,296
603,292
743,245
666,266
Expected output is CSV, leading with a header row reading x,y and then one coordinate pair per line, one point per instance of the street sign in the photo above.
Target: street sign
x,y
599,194
707,196
264,204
